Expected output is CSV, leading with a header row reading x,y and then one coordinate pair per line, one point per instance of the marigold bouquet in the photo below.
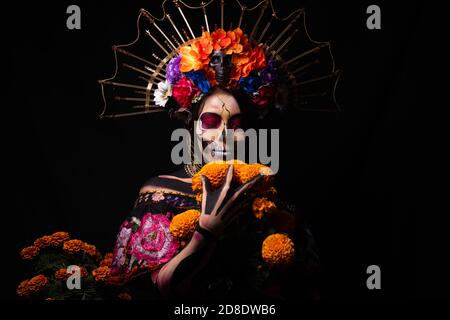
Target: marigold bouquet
x,y
264,230
56,261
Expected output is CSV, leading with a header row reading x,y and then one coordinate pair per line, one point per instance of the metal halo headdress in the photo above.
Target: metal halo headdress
x,y
181,64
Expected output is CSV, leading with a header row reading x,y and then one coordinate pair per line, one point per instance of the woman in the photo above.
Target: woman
x,y
184,273
225,80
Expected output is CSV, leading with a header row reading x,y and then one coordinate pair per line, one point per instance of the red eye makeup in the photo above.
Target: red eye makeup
x,y
210,120
236,122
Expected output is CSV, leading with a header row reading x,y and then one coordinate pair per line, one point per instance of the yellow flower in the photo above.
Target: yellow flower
x,y
262,206
32,286
29,253
278,250
73,246
183,225
101,274
43,242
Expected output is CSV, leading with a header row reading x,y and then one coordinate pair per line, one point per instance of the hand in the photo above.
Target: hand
x,y
221,206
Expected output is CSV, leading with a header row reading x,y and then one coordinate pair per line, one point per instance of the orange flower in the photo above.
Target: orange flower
x,y
220,39
43,242
247,61
62,274
203,47
215,171
183,225
90,249
107,260
196,56
249,171
58,238
101,274
262,206
189,59
73,246
29,253
32,286
22,289
278,249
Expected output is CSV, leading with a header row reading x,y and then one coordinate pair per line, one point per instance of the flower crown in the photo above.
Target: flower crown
x,y
222,58
170,66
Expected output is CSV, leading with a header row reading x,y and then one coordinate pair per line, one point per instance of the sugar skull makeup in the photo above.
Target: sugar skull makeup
x,y
220,112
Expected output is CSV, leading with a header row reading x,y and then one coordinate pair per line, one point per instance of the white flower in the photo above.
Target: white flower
x,y
162,93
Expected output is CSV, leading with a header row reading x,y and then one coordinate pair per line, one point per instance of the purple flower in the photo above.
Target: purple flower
x,y
173,73
268,74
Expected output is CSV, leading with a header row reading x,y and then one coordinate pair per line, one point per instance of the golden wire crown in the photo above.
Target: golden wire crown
x,y
274,63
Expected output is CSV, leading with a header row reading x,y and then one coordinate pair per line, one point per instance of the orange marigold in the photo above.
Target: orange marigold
x,y
29,253
278,249
214,171
58,238
101,274
43,242
32,286
183,225
262,206
90,249
73,246
198,198
62,274
22,289
107,260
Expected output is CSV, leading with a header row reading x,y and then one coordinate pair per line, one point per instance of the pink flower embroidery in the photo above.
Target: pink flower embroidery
x,y
119,255
157,197
153,242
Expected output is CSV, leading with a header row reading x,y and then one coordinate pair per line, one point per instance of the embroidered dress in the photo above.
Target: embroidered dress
x,y
144,243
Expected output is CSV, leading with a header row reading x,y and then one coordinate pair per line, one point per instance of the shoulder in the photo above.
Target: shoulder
x,y
164,184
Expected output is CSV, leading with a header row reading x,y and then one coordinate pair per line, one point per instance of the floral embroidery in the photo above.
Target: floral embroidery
x,y
153,243
157,196
120,249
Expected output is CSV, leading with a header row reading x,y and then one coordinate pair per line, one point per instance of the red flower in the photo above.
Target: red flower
x,y
264,96
184,91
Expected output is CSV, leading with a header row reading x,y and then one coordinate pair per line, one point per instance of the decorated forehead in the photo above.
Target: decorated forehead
x,y
271,61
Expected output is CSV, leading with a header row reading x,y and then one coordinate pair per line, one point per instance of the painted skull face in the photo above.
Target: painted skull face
x,y
220,127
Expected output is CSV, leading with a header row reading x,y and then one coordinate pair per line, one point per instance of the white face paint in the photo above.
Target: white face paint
x,y
220,113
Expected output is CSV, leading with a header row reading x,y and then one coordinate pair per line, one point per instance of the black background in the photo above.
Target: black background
x,y
349,173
